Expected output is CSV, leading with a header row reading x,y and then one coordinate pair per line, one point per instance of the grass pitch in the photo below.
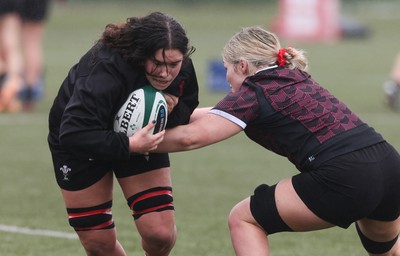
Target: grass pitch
x,y
207,182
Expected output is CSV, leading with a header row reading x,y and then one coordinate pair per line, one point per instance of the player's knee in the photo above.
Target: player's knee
x,y
157,239
233,220
162,237
374,247
236,216
91,218
160,234
94,246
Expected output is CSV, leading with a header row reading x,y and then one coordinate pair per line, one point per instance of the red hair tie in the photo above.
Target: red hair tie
x,y
281,57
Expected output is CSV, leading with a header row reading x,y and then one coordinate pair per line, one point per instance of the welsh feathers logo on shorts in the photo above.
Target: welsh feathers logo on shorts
x,y
65,170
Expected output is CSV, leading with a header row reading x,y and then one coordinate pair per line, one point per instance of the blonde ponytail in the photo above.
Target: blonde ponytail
x,y
262,48
290,57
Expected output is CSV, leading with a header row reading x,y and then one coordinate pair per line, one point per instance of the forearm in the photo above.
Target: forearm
x,y
177,139
204,131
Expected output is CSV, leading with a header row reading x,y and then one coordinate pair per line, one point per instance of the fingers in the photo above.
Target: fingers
x,y
159,137
149,127
171,100
144,140
156,139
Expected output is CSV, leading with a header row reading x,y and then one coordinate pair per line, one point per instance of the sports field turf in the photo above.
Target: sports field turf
x,y
209,181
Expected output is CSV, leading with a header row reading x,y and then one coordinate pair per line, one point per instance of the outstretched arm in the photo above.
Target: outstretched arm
x,y
199,113
203,131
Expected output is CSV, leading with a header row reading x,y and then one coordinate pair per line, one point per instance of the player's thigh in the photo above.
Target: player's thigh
x,y
161,222
86,201
293,211
96,194
137,183
379,231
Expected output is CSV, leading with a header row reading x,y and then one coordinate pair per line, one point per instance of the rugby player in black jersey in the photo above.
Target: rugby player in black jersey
x,y
87,153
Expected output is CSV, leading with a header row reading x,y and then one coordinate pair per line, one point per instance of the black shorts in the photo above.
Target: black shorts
x,y
28,10
73,173
360,184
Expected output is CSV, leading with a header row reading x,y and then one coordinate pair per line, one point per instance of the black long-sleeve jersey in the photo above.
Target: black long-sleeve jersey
x,y
81,118
289,113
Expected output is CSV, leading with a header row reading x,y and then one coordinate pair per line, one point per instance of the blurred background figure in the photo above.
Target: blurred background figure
x,y
10,57
391,87
21,63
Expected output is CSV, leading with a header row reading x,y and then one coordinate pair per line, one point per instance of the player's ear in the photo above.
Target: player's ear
x,y
243,66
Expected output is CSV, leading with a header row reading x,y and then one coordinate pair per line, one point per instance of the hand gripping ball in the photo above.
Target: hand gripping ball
x,y
142,106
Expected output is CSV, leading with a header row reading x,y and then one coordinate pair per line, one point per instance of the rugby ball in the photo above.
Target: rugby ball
x,y
142,106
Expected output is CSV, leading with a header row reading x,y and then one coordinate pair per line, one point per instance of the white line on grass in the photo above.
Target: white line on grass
x,y
37,232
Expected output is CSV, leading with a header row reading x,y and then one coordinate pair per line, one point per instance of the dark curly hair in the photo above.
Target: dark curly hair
x,y
140,37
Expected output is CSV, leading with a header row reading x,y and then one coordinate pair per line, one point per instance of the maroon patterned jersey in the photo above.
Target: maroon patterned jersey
x,y
289,113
